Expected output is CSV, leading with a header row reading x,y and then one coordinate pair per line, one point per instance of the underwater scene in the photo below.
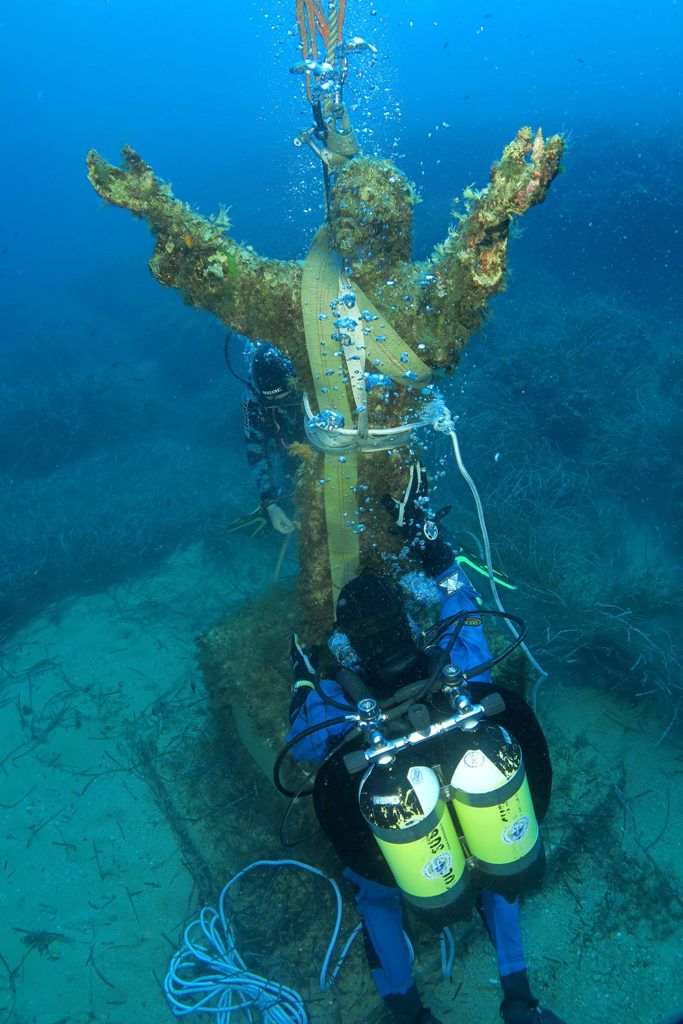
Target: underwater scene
x,y
341,498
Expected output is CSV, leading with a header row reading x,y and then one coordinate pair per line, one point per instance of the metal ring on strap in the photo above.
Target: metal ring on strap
x,y
341,439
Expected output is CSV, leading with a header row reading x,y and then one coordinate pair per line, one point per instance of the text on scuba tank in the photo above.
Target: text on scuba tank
x,y
441,864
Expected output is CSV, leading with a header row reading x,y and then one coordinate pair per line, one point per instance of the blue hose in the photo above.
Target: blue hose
x,y
208,975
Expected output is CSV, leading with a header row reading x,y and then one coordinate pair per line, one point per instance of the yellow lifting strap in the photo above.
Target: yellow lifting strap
x,y
326,297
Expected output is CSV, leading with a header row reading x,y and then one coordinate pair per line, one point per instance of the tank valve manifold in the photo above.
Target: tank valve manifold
x,y
381,750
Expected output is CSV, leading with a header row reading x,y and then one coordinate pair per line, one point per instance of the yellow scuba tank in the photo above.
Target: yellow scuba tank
x,y
404,809
491,798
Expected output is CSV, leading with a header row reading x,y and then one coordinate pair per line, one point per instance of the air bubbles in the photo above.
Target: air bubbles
x,y
327,419
376,380
346,323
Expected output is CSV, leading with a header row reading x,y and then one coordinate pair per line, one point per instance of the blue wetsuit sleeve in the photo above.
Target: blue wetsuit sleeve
x,y
316,712
471,647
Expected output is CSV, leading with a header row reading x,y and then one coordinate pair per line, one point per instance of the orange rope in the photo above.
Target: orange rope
x,y
342,12
312,23
320,20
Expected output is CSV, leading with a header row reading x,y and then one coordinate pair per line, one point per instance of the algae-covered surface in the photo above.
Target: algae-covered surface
x,y
434,305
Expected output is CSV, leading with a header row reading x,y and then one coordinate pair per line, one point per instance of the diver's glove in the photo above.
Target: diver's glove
x,y
303,676
299,659
414,517
279,519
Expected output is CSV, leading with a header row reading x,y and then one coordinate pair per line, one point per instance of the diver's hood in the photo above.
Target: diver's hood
x,y
371,613
272,373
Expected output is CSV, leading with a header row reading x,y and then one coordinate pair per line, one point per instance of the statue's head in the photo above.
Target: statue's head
x,y
371,215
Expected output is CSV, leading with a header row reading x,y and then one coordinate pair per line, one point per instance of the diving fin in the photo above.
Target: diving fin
x,y
254,524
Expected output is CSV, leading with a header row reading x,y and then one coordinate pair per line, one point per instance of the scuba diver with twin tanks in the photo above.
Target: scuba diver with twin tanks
x,y
430,780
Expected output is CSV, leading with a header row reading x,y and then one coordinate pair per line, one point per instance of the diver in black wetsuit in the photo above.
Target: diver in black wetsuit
x,y
273,421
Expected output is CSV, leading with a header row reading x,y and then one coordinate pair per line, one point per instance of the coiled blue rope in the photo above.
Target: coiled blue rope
x,y
208,975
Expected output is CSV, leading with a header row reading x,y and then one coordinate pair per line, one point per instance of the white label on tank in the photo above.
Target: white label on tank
x,y
426,787
438,866
476,774
516,831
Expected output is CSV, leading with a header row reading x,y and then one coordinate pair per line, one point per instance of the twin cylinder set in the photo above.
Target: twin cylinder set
x,y
455,815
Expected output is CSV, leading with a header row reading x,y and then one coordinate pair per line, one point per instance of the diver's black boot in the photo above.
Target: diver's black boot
x,y
525,1013
407,1008
519,1006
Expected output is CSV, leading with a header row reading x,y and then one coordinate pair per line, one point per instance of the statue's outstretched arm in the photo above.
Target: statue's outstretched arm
x,y
469,267
255,296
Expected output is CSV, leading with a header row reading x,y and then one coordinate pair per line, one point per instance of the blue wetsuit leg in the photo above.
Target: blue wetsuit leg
x,y
382,914
502,921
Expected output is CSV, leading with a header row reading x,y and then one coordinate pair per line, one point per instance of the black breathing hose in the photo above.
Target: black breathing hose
x,y
281,788
226,355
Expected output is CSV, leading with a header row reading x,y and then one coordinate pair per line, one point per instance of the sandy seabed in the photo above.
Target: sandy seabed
x,y
112,841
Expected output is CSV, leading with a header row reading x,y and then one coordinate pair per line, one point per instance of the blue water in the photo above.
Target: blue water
x,y
96,354
113,391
